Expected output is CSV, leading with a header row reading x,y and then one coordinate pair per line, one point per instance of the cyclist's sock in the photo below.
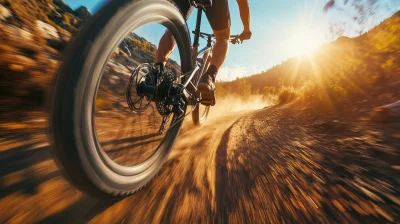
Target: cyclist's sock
x,y
212,71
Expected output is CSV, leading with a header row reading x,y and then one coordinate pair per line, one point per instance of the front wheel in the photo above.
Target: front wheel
x,y
82,116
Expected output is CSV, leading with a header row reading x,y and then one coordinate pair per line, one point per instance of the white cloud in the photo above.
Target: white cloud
x,y
231,73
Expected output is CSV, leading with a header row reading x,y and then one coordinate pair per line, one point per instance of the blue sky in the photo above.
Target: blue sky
x,y
281,29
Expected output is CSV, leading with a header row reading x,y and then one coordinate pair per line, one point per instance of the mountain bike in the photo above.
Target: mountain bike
x,y
83,120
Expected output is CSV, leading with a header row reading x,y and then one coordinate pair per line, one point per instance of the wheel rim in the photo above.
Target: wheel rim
x,y
150,137
203,112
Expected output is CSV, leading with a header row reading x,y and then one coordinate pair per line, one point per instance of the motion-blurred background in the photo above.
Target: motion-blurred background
x,y
306,128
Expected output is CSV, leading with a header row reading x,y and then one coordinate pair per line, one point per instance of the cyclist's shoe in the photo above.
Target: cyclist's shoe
x,y
206,88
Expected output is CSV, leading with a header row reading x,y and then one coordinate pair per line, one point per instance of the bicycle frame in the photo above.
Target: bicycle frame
x,y
188,77
197,67
206,51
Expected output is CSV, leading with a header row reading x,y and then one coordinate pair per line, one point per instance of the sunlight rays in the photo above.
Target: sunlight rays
x,y
295,71
338,67
303,41
306,34
320,83
322,62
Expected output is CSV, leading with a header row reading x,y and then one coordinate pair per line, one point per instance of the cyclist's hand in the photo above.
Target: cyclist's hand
x,y
245,35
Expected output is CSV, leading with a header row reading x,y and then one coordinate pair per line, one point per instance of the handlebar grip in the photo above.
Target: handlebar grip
x,y
235,39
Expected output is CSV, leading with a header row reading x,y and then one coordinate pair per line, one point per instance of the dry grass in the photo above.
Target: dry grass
x,y
287,94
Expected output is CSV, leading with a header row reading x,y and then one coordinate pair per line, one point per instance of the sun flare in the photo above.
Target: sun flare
x,y
303,41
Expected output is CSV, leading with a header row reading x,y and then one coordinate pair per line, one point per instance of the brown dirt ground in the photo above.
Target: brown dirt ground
x,y
276,165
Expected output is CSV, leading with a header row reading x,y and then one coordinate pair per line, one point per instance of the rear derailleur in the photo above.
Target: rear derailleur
x,y
154,83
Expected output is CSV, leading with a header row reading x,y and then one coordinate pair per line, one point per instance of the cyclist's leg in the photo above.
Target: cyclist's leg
x,y
219,17
221,47
165,47
167,42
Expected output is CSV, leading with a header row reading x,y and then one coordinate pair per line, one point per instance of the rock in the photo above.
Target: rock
x,y
83,13
4,13
396,167
17,34
124,46
54,13
114,79
48,31
117,68
18,68
387,113
17,62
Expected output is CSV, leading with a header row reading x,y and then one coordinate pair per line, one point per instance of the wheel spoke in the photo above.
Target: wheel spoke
x,y
141,102
138,100
136,135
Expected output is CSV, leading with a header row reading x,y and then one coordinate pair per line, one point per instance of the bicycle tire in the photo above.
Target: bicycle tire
x,y
76,147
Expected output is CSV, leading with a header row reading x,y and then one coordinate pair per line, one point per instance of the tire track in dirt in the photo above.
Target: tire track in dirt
x,y
221,176
184,191
281,165
268,166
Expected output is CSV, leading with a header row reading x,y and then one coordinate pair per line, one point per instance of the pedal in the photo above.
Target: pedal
x,y
207,95
207,102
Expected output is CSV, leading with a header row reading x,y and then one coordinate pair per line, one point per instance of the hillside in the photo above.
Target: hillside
x,y
141,50
33,35
340,71
55,13
318,156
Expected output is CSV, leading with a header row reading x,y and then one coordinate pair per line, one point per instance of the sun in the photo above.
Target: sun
x,y
303,41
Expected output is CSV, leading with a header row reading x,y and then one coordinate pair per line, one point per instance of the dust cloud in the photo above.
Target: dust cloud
x,y
234,103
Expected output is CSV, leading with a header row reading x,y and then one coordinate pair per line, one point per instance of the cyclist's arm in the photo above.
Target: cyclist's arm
x,y
244,14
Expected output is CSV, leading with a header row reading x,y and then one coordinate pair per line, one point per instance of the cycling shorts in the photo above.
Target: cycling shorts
x,y
218,14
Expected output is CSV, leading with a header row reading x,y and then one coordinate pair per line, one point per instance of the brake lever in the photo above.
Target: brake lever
x,y
236,41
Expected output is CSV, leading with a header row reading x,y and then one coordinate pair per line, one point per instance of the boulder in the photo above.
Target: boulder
x,y
48,31
17,34
4,13
83,13
387,113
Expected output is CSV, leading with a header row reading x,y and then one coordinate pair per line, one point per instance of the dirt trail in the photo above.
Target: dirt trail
x,y
32,188
264,166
